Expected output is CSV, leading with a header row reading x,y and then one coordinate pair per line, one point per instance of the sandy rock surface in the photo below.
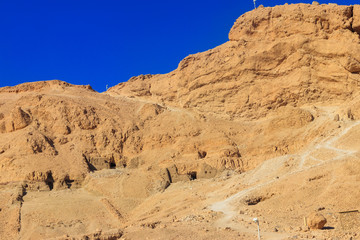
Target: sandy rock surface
x,y
266,125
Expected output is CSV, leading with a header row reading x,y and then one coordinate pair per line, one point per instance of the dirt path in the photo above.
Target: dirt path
x,y
227,206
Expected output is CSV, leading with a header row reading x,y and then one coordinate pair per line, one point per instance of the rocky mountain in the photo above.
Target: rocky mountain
x,y
265,125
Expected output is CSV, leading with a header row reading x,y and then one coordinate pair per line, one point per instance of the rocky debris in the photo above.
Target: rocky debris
x,y
316,221
230,152
97,235
38,143
151,225
86,118
257,198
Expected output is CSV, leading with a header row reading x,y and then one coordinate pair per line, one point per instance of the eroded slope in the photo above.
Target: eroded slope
x,y
266,121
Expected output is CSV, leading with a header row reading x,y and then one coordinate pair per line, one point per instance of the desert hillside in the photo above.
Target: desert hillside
x,y
266,125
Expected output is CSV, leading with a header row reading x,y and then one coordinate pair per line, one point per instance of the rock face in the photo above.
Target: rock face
x,y
272,112
286,55
295,19
356,18
18,119
316,221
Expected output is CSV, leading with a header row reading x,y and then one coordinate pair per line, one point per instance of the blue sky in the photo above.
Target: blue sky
x,y
105,42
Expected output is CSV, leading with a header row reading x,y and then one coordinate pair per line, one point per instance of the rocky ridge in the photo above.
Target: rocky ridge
x,y
265,121
285,55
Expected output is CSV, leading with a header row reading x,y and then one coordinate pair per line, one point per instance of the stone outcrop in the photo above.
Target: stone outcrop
x,y
16,120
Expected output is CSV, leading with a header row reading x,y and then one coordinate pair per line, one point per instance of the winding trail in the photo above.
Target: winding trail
x,y
227,206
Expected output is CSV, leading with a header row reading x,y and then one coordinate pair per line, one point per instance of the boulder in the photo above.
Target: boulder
x,y
316,221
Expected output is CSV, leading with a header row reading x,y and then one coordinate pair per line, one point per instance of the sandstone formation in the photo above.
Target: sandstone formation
x,y
265,125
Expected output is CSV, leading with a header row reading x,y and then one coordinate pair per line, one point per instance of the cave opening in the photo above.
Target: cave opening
x,y
192,175
112,165
49,180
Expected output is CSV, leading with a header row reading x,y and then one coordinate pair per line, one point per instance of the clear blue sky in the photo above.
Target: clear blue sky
x,y
104,42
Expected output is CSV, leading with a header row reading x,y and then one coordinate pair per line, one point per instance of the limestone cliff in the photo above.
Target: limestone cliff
x,y
267,124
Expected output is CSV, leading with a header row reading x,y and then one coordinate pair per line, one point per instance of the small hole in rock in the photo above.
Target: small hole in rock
x,y
202,154
192,175
68,181
253,201
50,180
112,165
